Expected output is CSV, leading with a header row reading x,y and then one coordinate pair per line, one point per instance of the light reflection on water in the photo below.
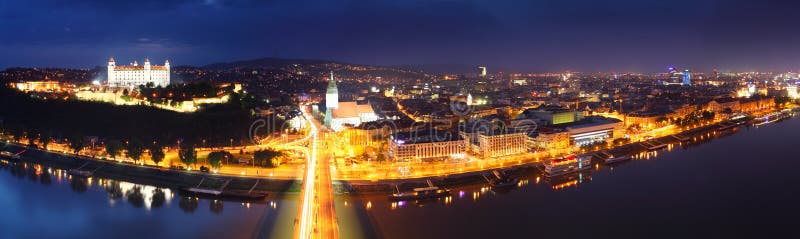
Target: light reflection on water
x,y
40,201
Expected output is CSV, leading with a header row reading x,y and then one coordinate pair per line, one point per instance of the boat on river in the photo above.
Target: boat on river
x,y
503,180
80,173
429,192
568,164
11,156
617,159
222,192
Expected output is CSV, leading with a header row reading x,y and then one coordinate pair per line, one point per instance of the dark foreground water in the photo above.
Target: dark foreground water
x,y
743,185
41,202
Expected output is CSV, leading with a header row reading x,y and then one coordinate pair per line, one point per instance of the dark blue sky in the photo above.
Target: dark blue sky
x,y
528,35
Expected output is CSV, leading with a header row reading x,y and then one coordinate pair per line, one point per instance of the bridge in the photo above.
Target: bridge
x,y
316,216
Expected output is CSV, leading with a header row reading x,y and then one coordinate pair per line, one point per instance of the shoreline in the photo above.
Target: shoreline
x,y
686,139
159,177
165,177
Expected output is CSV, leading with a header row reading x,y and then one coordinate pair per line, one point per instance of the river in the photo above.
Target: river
x,y
38,201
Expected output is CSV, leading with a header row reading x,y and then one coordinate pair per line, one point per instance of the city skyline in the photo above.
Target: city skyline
x,y
583,36
422,119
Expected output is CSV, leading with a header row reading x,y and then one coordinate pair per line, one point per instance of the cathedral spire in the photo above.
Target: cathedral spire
x,y
332,83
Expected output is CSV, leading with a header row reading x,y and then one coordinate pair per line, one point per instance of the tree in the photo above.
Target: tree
x,y
267,158
32,142
76,143
707,115
661,120
44,139
16,131
113,148
215,158
187,154
781,100
135,149
156,154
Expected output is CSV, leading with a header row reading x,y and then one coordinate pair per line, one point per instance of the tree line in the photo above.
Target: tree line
x,y
76,121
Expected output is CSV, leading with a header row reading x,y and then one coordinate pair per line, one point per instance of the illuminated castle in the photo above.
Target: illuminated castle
x,y
135,75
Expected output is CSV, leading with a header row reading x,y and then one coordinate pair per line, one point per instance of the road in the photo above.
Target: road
x,y
316,214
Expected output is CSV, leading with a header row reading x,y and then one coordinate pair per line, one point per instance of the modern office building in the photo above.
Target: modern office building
x,y
549,115
687,78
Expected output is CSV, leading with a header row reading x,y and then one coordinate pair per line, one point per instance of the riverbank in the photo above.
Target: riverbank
x,y
684,139
159,177
181,179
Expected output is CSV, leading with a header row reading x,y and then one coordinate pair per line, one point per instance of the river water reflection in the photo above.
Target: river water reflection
x,y
742,185
43,202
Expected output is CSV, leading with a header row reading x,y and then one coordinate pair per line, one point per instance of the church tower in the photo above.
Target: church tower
x,y
332,94
331,100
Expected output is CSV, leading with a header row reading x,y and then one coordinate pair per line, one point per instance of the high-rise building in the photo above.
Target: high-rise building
x,y
674,77
135,75
687,78
482,71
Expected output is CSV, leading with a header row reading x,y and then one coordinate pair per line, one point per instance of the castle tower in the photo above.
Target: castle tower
x,y
111,77
166,66
147,73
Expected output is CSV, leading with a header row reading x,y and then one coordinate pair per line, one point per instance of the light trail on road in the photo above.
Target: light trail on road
x,y
316,213
305,229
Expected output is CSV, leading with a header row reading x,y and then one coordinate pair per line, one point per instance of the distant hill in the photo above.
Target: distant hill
x,y
281,63
320,68
268,62
450,68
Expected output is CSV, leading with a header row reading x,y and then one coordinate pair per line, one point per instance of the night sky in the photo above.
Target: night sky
x,y
529,35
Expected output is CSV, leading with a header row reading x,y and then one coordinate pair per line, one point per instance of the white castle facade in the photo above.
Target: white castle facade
x,y
134,75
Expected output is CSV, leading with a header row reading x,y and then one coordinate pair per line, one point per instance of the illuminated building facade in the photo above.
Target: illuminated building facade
x,y
687,78
756,104
550,139
791,91
595,130
136,75
723,104
502,145
38,86
495,143
552,115
405,148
